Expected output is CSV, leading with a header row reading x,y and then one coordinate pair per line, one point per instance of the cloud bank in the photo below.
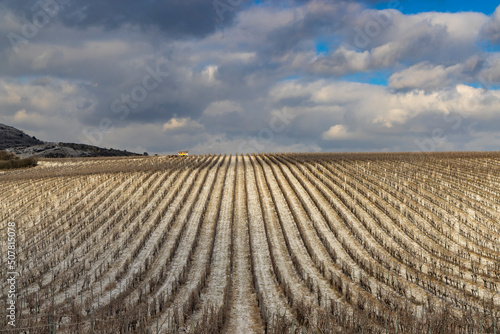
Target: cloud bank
x,y
271,76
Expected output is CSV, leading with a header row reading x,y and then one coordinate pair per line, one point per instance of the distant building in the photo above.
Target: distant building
x,y
183,153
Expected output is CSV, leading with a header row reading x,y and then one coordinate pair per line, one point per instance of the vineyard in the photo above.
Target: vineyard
x,y
274,243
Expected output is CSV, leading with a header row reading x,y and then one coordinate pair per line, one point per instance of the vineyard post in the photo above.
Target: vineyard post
x,y
413,320
21,308
481,322
470,317
267,322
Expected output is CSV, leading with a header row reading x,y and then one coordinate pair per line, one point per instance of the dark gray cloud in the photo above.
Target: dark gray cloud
x,y
176,18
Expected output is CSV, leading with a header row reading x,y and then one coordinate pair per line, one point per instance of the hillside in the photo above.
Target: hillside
x,y
67,150
16,141
274,243
12,137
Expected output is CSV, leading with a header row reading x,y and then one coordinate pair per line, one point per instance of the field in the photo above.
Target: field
x,y
275,243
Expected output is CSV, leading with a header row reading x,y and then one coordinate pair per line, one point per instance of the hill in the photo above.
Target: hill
x,y
67,150
12,137
16,141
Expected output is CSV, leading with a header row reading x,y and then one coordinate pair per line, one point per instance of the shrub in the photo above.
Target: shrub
x,y
5,155
9,160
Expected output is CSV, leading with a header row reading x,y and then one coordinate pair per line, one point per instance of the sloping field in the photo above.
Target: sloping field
x,y
277,243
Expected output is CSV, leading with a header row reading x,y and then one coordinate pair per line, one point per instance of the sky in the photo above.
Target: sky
x,y
240,76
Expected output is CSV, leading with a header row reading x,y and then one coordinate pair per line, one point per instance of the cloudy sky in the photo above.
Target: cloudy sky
x,y
216,76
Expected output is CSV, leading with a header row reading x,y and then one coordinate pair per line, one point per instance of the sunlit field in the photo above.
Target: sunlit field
x,y
274,243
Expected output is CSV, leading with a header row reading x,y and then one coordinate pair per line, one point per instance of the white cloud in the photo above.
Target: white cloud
x,y
336,132
426,76
218,108
21,115
180,123
440,37
454,23
382,113
491,29
208,75
392,117
490,74
56,97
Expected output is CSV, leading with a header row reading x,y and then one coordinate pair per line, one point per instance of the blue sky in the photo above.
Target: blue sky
x,y
419,6
260,76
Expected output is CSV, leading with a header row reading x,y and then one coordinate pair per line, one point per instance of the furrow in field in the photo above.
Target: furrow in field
x,y
244,309
270,296
175,287
200,264
304,244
